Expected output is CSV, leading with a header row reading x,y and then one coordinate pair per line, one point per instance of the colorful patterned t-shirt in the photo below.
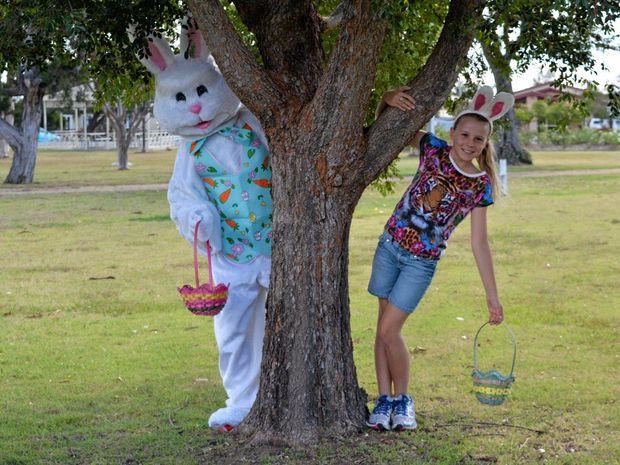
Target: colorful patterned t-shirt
x,y
437,200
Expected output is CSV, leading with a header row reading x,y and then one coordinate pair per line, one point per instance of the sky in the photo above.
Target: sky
x,y
610,76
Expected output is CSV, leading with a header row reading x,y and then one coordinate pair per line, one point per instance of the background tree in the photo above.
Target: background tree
x,y
23,140
514,34
313,106
89,36
31,40
125,121
125,103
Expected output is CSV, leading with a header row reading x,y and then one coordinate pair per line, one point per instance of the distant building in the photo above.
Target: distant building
x,y
542,91
76,110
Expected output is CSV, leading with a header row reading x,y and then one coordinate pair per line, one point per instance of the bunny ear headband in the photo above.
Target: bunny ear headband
x,y
489,108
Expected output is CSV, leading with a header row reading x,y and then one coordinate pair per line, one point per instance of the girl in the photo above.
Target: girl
x,y
447,186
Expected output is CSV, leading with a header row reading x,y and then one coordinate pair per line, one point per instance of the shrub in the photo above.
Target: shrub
x,y
585,136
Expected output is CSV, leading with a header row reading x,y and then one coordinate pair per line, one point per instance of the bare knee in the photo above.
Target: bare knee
x,y
388,336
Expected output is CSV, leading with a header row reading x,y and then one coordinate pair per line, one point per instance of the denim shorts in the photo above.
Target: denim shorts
x,y
398,275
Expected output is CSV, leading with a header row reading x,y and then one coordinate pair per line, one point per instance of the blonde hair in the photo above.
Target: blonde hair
x,y
486,162
486,159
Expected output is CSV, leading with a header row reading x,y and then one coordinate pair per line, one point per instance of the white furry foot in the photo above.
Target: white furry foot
x,y
231,416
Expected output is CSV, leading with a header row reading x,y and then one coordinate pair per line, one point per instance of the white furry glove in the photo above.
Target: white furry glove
x,y
208,230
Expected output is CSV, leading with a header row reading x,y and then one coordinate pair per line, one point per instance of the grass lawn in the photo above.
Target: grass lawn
x,y
101,364
545,161
71,168
74,168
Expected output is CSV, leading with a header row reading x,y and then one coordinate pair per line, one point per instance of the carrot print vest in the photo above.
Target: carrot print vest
x,y
243,199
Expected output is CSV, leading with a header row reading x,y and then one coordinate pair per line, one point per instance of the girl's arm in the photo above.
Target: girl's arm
x,y
398,98
482,254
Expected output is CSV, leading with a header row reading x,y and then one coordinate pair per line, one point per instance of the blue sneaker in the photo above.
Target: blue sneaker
x,y
403,413
379,419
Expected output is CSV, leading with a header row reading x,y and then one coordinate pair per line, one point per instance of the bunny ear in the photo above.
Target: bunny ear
x,y
192,43
483,104
501,104
482,99
161,55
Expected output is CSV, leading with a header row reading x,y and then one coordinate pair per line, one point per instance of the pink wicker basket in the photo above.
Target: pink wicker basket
x,y
206,298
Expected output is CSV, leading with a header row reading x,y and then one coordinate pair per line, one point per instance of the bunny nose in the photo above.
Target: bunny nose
x,y
195,108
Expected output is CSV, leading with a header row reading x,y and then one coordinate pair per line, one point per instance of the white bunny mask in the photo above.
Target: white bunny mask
x,y
489,107
192,98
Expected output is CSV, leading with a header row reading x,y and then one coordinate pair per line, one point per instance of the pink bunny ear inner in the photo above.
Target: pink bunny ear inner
x,y
496,109
479,101
157,58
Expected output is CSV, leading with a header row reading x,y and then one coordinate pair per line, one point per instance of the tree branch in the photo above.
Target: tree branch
x,y
289,41
342,96
430,88
137,114
500,66
13,91
243,74
10,133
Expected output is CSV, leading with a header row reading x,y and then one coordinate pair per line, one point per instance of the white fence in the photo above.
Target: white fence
x,y
77,140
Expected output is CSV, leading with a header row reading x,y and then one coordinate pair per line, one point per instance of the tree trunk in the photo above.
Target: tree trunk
x,y
308,380
25,144
117,115
322,159
122,143
509,145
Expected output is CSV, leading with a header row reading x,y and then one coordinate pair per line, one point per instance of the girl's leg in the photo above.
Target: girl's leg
x,y
390,347
384,379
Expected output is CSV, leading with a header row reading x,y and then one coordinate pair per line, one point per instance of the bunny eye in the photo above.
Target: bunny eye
x,y
180,97
201,90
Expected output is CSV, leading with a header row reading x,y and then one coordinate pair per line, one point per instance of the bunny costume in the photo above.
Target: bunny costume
x,y
221,178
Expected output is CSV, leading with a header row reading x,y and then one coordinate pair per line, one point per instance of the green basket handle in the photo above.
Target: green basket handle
x,y
514,347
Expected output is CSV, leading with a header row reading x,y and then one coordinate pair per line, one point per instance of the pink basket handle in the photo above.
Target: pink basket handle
x,y
208,247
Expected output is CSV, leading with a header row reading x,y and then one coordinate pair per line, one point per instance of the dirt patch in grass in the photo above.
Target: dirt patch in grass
x,y
368,448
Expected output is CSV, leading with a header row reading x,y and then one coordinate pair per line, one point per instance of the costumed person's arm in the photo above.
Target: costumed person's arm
x,y
398,98
189,204
484,261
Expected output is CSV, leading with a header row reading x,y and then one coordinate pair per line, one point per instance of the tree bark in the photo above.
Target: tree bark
x,y
296,62
24,141
509,145
322,159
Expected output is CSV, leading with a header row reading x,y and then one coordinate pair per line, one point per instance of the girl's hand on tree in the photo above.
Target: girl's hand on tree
x,y
496,311
399,99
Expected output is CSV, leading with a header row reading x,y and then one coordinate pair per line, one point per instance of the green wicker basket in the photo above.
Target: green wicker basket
x,y
491,387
